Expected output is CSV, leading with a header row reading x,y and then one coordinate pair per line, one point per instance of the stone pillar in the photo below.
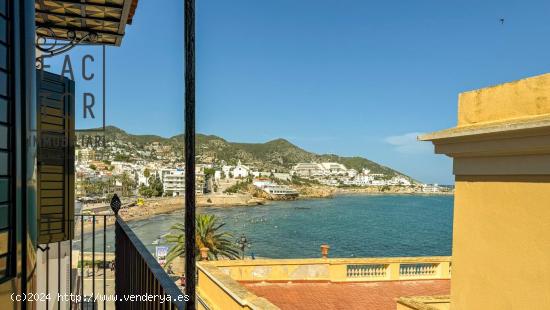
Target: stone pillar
x,y
501,162
204,253
324,250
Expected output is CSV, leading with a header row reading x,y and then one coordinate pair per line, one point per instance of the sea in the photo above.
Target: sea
x,y
352,225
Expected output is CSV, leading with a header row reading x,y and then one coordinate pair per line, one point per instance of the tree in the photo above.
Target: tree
x,y
208,234
156,186
209,172
145,191
146,173
127,183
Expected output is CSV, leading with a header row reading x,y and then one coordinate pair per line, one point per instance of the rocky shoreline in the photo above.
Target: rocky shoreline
x,y
388,190
320,191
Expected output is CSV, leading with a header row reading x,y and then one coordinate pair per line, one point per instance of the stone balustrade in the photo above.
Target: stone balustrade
x,y
219,280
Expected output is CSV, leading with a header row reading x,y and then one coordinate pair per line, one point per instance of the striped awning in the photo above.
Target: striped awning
x,y
88,21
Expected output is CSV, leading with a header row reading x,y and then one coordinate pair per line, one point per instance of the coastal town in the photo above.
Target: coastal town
x,y
152,170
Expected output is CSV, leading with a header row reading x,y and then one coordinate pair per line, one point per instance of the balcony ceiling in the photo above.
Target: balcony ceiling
x,y
59,19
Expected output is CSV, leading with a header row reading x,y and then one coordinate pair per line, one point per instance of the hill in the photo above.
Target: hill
x,y
279,154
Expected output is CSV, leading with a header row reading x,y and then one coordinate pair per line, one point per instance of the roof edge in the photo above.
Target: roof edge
x,y
529,123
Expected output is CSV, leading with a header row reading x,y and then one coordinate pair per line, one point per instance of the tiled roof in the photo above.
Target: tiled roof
x,y
379,295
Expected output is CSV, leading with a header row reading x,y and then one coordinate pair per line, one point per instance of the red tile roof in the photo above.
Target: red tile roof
x,y
365,295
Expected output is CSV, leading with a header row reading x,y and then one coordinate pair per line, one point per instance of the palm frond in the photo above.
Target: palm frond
x,y
208,235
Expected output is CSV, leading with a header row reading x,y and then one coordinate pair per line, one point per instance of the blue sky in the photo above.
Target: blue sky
x,y
347,77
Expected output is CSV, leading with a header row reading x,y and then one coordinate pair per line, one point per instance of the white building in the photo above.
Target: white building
x,y
319,170
273,188
173,181
399,180
352,173
430,188
379,182
86,154
227,170
308,170
363,180
334,169
119,167
240,171
262,182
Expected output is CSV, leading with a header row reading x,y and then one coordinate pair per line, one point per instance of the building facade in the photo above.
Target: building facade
x,y
173,182
501,237
240,171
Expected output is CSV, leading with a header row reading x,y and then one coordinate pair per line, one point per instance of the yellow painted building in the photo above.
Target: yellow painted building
x,y
501,162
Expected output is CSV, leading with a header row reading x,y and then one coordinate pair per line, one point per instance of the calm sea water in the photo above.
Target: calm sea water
x,y
353,226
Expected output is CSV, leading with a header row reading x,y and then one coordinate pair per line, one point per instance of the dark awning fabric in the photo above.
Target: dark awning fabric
x,y
105,20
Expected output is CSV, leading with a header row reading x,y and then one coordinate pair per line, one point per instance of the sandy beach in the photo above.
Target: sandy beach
x,y
163,205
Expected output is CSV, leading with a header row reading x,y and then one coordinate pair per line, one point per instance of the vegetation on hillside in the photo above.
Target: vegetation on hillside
x,y
239,187
277,155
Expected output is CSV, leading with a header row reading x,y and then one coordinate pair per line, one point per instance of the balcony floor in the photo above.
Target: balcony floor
x,y
365,295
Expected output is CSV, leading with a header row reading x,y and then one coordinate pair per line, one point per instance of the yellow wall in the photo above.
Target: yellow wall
x,y
518,99
219,292
501,243
332,269
501,229
214,296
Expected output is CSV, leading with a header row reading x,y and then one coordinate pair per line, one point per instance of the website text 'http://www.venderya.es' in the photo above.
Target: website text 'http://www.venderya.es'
x,y
75,298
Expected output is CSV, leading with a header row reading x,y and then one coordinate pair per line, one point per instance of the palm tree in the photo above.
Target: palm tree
x,y
207,235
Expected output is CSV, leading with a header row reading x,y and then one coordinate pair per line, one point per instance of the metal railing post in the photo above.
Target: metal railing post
x,y
189,10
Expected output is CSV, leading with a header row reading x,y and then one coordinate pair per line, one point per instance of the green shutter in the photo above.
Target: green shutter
x,y
55,146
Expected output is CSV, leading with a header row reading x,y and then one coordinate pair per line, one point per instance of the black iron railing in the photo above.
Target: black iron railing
x,y
141,276
102,270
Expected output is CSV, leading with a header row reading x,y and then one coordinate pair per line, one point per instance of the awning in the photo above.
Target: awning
x,y
84,21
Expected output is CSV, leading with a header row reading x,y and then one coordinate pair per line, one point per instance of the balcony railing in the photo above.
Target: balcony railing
x,y
141,274
90,274
337,269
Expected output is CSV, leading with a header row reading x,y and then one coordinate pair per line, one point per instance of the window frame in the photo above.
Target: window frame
x,y
10,150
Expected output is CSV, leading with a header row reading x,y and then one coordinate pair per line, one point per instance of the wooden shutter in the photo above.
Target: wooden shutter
x,y
55,137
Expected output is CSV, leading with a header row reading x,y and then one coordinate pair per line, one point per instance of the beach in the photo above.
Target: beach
x,y
163,205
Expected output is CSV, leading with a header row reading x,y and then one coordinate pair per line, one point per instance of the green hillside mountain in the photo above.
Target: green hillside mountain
x,y
279,154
